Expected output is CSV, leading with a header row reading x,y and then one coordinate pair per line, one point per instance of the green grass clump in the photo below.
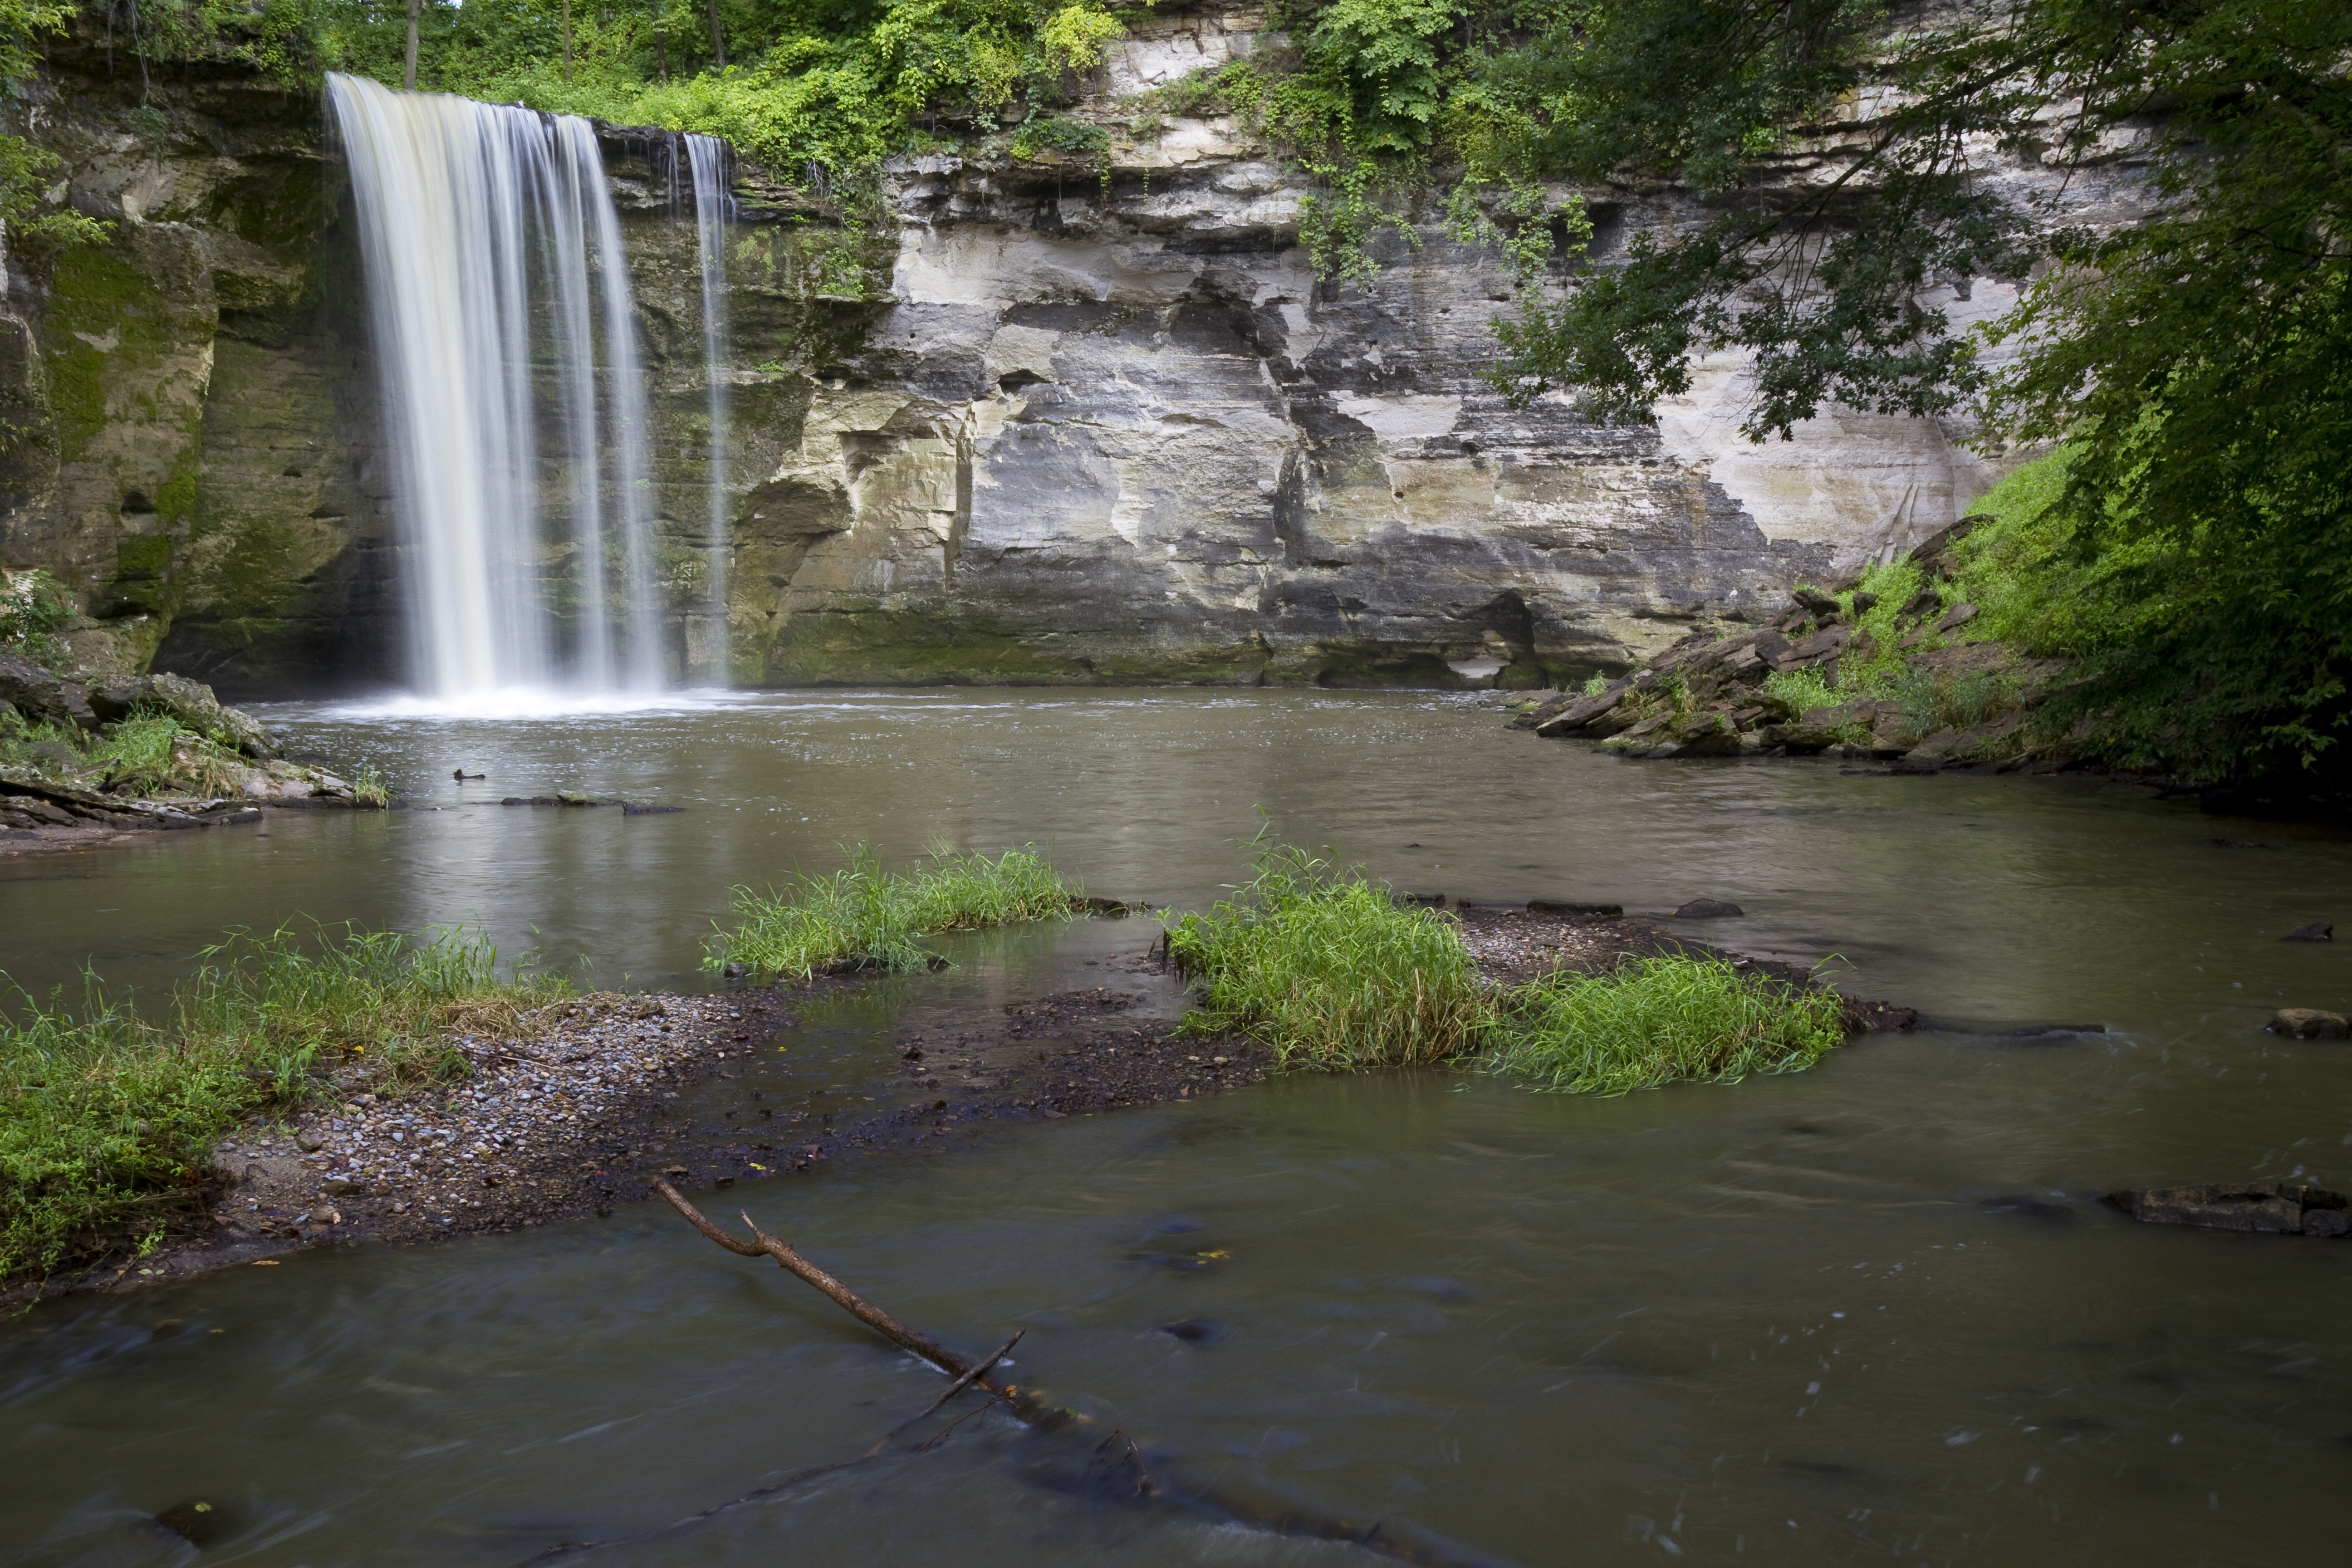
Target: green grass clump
x,y
144,755
1667,1019
369,789
1797,689
108,1116
867,917
1325,967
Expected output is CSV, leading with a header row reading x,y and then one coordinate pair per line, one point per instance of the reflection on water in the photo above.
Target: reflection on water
x,y
1859,1315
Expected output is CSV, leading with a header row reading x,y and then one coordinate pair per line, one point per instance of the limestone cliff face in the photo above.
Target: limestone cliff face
x,y
1039,424
1110,426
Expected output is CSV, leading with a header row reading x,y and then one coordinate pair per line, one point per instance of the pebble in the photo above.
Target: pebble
x,y
525,1100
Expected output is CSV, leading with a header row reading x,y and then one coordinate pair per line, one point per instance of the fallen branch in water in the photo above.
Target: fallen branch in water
x,y
1116,1452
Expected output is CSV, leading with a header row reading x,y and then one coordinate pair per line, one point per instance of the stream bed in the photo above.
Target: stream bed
x,y
1868,1313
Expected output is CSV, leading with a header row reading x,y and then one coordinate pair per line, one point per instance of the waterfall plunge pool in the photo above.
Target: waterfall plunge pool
x,y
1798,1320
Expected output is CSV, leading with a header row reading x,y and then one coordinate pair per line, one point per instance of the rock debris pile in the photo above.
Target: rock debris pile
x,y
1951,702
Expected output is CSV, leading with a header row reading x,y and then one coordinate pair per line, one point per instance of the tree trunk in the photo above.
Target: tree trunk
x,y
567,40
408,77
718,39
661,54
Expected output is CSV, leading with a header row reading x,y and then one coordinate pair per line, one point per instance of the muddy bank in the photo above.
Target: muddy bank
x,y
612,1089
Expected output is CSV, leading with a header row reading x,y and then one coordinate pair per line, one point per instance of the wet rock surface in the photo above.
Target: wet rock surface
x,y
2309,1023
2279,1208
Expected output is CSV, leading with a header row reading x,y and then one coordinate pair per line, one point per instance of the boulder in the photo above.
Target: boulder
x,y
1814,603
2310,1023
1581,712
190,702
1978,743
2276,1208
1709,910
2318,930
42,696
1819,728
1823,644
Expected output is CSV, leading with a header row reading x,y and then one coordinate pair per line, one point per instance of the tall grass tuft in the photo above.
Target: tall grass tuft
x,y
1325,967
866,917
108,1115
1665,1019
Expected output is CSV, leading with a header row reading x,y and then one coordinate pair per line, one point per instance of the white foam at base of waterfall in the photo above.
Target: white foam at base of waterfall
x,y
518,577
527,702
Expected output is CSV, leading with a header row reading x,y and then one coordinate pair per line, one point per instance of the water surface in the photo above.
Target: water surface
x,y
1862,1314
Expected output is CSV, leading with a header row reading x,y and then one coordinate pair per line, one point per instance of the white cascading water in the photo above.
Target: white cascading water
x,y
473,217
714,208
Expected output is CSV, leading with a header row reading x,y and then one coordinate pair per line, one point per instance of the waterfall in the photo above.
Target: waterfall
x,y
714,206
495,272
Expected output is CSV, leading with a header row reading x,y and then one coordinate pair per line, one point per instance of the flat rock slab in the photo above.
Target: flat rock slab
x,y
2278,1208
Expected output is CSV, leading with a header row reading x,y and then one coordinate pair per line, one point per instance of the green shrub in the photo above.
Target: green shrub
x,y
108,1117
1932,702
866,917
1324,966
1795,690
33,609
1667,1019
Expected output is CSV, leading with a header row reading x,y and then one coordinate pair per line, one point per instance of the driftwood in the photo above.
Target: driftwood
x,y
1113,1465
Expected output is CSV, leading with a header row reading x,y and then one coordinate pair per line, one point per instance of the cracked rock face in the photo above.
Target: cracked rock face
x,y
1091,444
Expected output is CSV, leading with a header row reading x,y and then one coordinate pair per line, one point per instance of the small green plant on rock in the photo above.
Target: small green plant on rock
x,y
369,789
1323,965
866,917
1667,1019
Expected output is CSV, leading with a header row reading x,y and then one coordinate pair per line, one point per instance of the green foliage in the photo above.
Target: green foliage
x,y
33,609
108,1116
1595,684
1873,659
1795,690
1372,78
1076,141
862,917
1931,700
1338,222
369,789
2196,362
1324,966
1667,1019
143,756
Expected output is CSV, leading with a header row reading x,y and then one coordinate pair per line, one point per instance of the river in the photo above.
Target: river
x,y
1868,1313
